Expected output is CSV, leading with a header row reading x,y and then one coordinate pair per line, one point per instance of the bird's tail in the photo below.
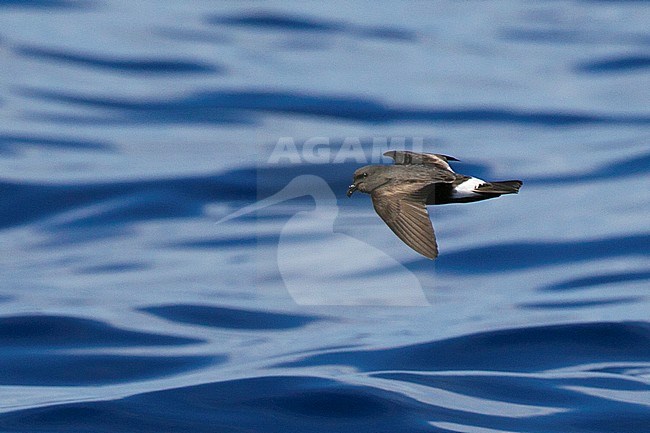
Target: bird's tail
x,y
503,187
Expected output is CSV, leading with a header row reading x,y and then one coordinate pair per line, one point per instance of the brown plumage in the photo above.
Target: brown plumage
x,y
401,192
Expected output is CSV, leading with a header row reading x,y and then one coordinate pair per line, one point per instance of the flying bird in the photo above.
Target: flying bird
x,y
401,192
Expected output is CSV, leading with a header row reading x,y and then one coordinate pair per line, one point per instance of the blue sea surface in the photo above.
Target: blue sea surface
x,y
179,255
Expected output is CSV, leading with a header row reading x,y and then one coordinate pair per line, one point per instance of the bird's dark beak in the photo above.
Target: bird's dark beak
x,y
351,189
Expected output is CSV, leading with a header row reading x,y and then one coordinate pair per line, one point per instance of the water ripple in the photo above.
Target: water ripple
x,y
43,331
589,303
281,21
505,387
617,64
508,257
109,203
520,349
11,143
97,204
598,280
630,166
55,369
47,4
236,106
135,66
279,404
34,353
229,318
571,35
306,404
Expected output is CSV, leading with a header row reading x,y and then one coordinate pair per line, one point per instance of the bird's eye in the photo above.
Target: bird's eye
x,y
365,175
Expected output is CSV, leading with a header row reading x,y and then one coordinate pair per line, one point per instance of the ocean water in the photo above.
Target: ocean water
x,y
179,255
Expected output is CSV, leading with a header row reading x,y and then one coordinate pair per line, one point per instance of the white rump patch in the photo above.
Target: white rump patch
x,y
467,188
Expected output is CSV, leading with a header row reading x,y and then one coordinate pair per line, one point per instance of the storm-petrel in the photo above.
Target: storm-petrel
x,y
401,192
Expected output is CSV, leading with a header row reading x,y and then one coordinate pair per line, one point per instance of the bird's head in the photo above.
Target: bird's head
x,y
368,178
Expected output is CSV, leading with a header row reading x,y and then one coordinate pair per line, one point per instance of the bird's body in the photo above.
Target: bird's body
x,y
401,192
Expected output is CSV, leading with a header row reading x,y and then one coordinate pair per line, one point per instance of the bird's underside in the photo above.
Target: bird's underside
x,y
401,192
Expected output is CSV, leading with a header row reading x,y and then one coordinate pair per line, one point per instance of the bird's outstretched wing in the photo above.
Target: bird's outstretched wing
x,y
406,157
403,209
